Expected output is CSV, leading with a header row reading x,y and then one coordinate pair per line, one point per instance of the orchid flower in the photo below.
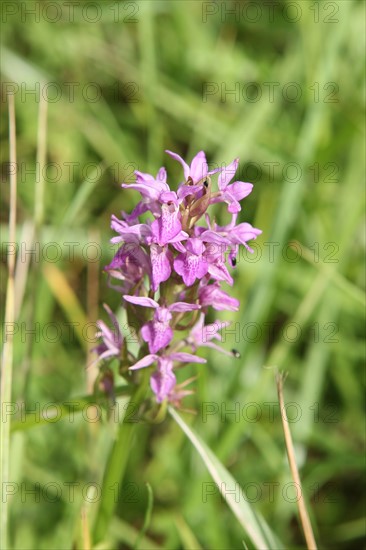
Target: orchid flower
x,y
171,266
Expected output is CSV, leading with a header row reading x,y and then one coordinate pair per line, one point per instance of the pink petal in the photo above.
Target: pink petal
x,y
161,261
141,301
240,189
161,175
178,246
227,174
181,236
168,226
213,237
185,190
157,335
169,196
195,246
190,267
142,177
186,357
199,167
144,362
234,206
212,295
244,232
163,381
145,189
183,163
183,306
220,273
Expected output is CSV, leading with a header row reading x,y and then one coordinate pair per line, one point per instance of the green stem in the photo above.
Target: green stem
x,y
117,462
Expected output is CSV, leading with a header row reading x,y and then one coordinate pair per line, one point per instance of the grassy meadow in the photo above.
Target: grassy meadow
x,y
101,89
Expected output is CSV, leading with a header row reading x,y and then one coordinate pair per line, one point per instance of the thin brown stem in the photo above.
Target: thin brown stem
x,y
303,513
7,363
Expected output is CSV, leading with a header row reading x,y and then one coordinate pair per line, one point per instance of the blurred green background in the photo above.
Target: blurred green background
x,y
279,85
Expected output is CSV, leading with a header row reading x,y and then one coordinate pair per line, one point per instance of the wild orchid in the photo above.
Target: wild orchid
x,y
170,270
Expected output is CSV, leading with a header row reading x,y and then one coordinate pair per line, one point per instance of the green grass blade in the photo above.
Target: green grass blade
x,y
253,524
147,520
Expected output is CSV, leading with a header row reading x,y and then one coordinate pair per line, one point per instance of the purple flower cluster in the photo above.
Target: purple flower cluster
x,y
170,266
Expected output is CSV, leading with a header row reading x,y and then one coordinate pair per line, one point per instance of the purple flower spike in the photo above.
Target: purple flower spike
x,y
172,262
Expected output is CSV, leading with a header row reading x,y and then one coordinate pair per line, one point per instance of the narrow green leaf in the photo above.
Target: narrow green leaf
x,y
150,503
186,535
253,524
